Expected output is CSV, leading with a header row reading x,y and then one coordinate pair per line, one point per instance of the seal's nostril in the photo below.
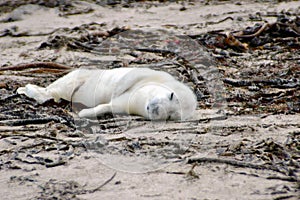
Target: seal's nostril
x,y
155,110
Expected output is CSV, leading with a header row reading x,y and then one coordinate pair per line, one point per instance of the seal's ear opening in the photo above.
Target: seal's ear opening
x,y
171,96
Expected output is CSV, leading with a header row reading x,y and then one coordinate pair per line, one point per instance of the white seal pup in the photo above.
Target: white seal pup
x,y
155,95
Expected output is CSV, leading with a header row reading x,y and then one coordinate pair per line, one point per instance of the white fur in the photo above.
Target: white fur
x,y
139,91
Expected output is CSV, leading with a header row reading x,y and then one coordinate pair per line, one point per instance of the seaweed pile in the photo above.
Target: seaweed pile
x,y
260,65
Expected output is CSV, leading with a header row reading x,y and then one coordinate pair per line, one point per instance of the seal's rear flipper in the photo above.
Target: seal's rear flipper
x,y
40,94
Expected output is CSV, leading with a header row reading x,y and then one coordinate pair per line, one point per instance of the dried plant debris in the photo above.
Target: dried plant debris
x,y
85,37
261,65
283,33
55,189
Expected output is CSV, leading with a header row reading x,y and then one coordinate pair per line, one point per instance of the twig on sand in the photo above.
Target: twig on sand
x,y
45,65
153,50
277,83
262,28
267,26
41,136
9,129
234,163
284,197
99,187
20,122
9,97
289,179
220,21
55,163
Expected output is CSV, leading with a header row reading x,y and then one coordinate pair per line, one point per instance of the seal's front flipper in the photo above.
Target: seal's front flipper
x,y
35,92
99,110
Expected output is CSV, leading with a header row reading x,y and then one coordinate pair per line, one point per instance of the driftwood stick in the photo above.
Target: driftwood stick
x,y
237,83
29,162
234,163
152,50
46,70
262,28
55,163
47,65
20,122
289,179
99,187
9,97
220,21
10,129
4,135
278,83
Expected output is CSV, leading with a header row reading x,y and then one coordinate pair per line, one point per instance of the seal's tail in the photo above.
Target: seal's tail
x,y
40,94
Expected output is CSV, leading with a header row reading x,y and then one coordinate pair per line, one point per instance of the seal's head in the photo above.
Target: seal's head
x,y
164,107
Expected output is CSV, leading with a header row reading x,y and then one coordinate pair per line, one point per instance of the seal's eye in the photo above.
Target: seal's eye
x,y
147,107
171,96
169,117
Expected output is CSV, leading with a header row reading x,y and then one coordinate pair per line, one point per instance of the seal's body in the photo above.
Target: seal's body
x,y
156,95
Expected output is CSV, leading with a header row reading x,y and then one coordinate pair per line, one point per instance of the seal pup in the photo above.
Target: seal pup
x,y
155,95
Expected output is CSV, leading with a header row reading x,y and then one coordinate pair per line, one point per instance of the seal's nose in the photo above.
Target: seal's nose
x,y
155,110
